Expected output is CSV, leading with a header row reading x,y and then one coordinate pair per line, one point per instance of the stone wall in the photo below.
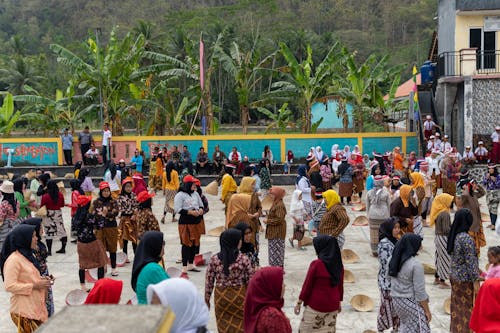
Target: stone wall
x,y
486,101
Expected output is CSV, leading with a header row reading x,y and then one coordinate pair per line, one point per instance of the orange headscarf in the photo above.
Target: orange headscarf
x,y
404,194
441,203
277,192
417,179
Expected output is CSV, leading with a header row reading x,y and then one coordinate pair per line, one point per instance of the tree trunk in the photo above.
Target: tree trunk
x,y
306,127
244,118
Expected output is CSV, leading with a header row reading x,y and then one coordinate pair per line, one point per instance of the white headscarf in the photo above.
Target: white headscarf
x,y
335,149
183,298
296,204
319,153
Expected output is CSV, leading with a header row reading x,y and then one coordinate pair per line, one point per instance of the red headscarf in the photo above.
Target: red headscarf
x,y
264,290
485,317
105,291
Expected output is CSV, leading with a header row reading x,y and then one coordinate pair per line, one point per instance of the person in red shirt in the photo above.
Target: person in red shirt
x,y
485,318
264,301
53,223
323,288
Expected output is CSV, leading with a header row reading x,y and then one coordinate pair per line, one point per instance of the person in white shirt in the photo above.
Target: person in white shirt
x,y
495,152
468,157
437,141
106,142
91,155
235,159
445,145
429,126
434,171
481,153
430,144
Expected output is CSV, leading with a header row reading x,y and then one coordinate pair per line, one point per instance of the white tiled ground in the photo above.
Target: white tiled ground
x,y
65,269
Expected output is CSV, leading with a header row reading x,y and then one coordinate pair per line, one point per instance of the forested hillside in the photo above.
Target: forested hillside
x,y
399,28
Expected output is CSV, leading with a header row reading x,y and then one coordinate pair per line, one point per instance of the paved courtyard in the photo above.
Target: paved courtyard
x,y
65,268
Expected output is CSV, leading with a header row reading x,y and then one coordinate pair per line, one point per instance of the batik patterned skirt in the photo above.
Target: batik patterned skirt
x,y
229,308
276,252
25,325
345,189
53,225
374,233
318,322
411,316
418,227
91,255
387,317
462,302
443,259
169,197
127,230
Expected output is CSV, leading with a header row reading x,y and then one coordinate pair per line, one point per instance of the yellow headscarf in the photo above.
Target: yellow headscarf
x,y
441,203
404,194
418,179
246,185
331,198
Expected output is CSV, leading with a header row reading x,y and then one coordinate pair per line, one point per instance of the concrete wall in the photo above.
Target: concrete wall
x,y
486,97
463,24
446,26
329,114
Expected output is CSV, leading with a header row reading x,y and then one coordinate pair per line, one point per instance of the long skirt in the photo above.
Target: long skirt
x,y
229,308
443,259
53,225
345,189
25,325
327,185
318,322
91,255
411,316
374,233
387,317
462,302
418,227
109,238
127,230
169,201
276,252
358,185
449,186
479,239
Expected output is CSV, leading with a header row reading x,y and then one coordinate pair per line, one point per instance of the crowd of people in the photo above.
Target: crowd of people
x,y
401,195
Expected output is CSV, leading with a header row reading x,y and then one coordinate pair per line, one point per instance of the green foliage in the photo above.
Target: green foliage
x,y
280,120
9,116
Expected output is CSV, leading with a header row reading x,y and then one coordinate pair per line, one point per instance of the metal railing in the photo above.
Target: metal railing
x,y
452,63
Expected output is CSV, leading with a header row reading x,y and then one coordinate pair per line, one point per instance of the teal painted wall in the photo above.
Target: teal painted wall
x,y
35,153
300,147
411,144
381,145
193,145
330,118
252,148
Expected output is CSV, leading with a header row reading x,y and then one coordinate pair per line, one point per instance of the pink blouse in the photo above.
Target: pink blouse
x,y
7,212
493,272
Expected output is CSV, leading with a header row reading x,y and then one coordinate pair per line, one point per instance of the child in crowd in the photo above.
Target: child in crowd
x,y
298,213
75,192
494,263
288,164
318,209
146,221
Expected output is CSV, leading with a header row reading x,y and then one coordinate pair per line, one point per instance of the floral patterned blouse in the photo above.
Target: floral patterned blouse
x,y
85,224
464,262
146,221
385,248
491,184
127,204
7,212
108,221
265,178
240,273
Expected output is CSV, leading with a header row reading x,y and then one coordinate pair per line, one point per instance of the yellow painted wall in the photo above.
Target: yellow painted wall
x,y
463,23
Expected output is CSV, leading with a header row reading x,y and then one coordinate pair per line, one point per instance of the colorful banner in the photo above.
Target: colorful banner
x,y
30,153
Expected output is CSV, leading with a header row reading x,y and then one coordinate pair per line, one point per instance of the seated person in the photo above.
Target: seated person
x,y
91,156
235,159
217,157
468,156
202,162
481,153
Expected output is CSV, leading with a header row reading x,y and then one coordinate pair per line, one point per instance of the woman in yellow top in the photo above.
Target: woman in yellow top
x,y
244,206
418,186
170,187
228,185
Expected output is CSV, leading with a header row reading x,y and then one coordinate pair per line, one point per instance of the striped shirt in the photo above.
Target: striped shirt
x,y
334,221
276,224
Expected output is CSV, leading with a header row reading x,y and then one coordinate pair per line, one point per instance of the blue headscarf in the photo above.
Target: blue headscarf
x,y
302,172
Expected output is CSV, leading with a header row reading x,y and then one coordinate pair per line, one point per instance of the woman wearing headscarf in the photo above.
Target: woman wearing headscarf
x,y
105,291
182,296
492,183
113,177
255,209
405,208
325,170
238,208
247,248
139,183
335,220
409,298
323,288
464,270
86,182
144,217
19,190
41,256
9,209
146,269
170,188
485,318
53,223
276,228
303,185
90,250
418,187
43,180
105,211
228,185
388,236
228,272
345,182
440,216
128,205
265,176
21,275
298,214
188,204
378,205
264,302
470,200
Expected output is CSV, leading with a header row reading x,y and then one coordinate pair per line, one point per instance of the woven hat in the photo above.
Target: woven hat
x,y
61,187
10,175
42,212
174,272
306,241
212,188
76,297
447,305
267,202
215,232
349,256
121,259
485,217
348,276
144,195
360,221
202,259
362,303
27,195
429,269
7,187
69,175
91,275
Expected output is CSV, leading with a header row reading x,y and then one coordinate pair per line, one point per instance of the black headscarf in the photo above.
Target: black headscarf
x,y
462,223
18,184
301,172
245,247
53,190
11,199
186,187
148,250
78,165
112,169
229,241
406,248
37,222
342,168
168,170
385,230
44,179
328,251
75,185
19,239
83,173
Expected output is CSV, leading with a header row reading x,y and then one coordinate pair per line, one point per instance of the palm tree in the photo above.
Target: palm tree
x,y
9,117
280,120
20,76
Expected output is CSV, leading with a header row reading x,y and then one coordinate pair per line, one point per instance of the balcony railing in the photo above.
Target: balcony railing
x,y
468,62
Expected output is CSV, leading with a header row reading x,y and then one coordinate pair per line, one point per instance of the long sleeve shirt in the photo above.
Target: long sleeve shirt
x,y
317,291
334,221
228,185
276,224
51,204
410,282
378,204
464,262
173,184
384,250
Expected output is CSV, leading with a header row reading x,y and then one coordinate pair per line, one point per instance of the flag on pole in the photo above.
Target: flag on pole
x,y
415,93
202,64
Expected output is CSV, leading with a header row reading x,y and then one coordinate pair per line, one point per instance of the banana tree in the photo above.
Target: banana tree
x,y
280,120
9,117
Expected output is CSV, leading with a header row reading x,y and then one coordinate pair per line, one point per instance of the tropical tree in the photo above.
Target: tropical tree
x,y
281,119
9,116
21,76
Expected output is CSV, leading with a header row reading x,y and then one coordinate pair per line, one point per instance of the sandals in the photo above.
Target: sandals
x,y
114,273
290,241
194,269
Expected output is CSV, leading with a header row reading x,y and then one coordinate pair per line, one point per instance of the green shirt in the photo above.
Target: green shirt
x,y
152,273
23,205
